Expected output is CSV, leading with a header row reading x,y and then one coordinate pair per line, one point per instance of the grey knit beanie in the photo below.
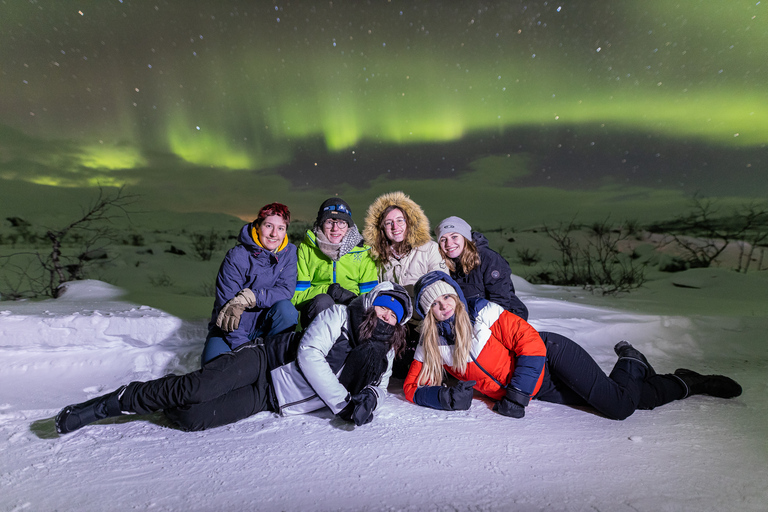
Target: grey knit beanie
x,y
454,225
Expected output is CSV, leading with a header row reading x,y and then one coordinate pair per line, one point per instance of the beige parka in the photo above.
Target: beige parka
x,y
422,258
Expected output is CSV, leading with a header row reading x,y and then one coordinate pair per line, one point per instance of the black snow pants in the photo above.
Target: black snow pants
x,y
228,388
572,377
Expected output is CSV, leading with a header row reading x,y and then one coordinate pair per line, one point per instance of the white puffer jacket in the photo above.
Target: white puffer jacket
x,y
309,383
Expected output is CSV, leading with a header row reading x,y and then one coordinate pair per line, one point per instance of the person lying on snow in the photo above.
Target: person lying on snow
x,y
342,361
500,355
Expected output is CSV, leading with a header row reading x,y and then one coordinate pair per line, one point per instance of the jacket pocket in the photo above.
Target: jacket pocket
x,y
293,392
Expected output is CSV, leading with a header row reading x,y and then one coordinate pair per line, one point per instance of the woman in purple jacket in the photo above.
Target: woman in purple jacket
x,y
256,282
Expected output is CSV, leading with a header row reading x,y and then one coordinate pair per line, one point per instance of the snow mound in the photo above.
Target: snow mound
x,y
84,318
88,289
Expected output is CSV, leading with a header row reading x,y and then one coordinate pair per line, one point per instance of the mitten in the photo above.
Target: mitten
x,y
359,408
509,408
458,397
513,404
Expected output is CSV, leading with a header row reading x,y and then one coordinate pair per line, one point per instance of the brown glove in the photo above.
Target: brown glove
x,y
229,316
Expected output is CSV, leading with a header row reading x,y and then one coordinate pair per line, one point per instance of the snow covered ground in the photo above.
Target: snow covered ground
x,y
700,454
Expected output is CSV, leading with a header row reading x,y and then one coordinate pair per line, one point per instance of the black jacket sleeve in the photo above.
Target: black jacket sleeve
x,y
497,279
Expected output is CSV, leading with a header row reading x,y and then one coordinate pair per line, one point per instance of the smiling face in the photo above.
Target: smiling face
x,y
395,226
272,232
334,230
443,307
385,314
452,244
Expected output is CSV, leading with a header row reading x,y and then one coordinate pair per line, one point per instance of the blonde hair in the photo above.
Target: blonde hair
x,y
432,367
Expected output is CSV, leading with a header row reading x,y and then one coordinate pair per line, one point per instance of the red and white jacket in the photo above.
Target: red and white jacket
x,y
505,350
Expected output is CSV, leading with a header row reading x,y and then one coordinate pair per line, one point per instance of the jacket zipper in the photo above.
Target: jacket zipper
x,y
485,372
297,402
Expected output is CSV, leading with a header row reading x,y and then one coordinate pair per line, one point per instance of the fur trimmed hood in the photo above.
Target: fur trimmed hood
x,y
418,224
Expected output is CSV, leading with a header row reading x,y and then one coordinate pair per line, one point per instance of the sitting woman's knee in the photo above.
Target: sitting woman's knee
x,y
285,307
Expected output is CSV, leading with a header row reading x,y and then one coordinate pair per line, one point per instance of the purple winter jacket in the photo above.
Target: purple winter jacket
x,y
271,277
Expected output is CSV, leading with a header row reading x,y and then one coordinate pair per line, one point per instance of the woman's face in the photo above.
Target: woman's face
x,y
443,307
334,230
386,314
272,232
395,226
452,244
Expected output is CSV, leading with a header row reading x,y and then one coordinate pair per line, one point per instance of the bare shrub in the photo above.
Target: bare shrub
x,y
754,234
208,288
704,233
206,244
592,258
37,273
700,234
161,280
136,239
18,278
528,257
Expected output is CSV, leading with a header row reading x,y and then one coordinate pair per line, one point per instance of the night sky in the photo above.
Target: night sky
x,y
223,106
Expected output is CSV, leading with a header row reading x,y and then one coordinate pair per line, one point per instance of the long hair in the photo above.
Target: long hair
x,y
273,209
384,245
432,366
397,342
469,258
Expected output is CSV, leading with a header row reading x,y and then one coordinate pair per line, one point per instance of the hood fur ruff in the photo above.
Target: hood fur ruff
x,y
418,224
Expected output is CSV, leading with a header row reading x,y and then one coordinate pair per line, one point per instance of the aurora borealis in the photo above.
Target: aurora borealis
x,y
199,98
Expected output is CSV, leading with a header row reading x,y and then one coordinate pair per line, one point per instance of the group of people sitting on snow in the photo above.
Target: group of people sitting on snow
x,y
328,324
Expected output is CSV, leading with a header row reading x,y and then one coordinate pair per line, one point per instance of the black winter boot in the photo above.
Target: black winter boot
x,y
712,385
626,351
72,417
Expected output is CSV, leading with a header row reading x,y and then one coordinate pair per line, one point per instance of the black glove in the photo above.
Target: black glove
x,y
360,407
458,397
340,295
509,408
513,404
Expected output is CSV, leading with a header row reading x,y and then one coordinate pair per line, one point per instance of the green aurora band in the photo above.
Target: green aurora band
x,y
241,86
